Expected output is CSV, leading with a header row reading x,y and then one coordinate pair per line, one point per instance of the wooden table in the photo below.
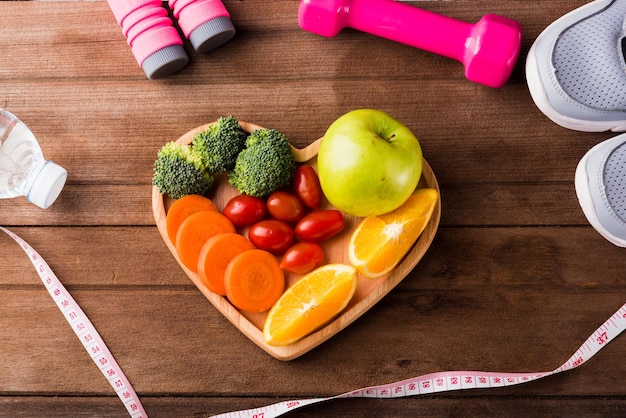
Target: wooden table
x,y
515,280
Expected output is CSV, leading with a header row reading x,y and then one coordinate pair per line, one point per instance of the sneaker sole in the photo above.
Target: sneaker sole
x,y
535,82
581,182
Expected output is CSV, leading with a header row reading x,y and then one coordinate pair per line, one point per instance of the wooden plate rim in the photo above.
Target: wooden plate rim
x,y
354,311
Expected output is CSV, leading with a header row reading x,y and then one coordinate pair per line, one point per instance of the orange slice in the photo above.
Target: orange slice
x,y
310,303
379,243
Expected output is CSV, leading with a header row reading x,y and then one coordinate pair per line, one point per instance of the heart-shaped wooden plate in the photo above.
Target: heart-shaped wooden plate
x,y
368,292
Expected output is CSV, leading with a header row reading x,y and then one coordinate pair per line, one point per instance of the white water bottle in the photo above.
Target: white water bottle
x,y
23,170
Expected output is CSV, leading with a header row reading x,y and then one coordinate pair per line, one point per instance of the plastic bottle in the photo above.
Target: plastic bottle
x,y
23,170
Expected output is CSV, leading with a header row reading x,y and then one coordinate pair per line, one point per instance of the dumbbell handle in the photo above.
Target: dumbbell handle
x,y
410,25
488,49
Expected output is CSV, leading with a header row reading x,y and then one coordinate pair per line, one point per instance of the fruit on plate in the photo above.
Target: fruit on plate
x,y
368,163
302,257
379,242
271,235
320,225
285,206
244,210
310,303
306,185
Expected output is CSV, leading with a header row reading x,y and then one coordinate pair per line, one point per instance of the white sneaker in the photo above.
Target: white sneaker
x,y
601,188
576,70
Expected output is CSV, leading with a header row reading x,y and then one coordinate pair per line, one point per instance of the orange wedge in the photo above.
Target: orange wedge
x,y
379,242
310,303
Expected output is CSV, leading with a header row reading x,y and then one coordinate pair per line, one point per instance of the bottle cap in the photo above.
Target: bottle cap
x,y
165,61
47,185
212,34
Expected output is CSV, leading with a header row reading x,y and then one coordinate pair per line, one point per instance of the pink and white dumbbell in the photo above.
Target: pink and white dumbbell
x,y
488,49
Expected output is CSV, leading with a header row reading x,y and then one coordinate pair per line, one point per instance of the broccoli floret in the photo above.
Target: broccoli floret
x,y
265,165
179,171
220,144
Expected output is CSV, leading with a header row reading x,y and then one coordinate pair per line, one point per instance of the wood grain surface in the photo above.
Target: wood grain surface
x,y
515,279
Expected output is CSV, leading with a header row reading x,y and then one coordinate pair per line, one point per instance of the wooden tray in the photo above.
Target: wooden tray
x,y
368,292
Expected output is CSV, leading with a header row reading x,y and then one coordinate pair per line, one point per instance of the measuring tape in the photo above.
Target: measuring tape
x,y
421,385
84,330
454,380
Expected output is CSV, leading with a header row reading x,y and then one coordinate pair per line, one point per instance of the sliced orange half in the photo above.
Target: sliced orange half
x,y
379,243
310,303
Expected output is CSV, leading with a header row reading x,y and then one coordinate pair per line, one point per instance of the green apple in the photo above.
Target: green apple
x,y
368,163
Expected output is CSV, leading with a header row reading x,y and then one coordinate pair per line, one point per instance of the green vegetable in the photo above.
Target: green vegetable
x,y
220,144
265,165
179,171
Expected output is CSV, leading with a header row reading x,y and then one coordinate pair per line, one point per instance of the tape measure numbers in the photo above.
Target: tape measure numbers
x,y
453,380
421,385
84,330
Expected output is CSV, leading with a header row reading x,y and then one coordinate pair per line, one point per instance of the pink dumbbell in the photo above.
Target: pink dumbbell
x,y
487,49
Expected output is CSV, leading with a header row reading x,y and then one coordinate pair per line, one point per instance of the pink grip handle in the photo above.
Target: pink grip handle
x,y
146,26
193,13
488,49
409,25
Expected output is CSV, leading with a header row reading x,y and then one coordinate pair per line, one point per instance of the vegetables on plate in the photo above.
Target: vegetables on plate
x,y
265,165
254,280
215,255
302,257
285,206
271,235
194,233
320,225
250,271
245,210
182,208
306,185
219,144
179,171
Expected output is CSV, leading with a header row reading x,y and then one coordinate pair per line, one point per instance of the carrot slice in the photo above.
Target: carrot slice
x,y
254,280
195,231
215,255
182,208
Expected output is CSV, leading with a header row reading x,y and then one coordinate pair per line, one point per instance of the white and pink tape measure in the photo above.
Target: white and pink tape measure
x,y
84,330
421,385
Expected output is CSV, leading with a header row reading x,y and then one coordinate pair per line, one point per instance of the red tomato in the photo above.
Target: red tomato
x,y
244,210
320,225
271,235
306,185
302,257
285,206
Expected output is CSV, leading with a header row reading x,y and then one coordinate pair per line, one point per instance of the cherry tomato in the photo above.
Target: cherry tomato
x,y
271,235
320,225
302,257
306,185
244,210
285,206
